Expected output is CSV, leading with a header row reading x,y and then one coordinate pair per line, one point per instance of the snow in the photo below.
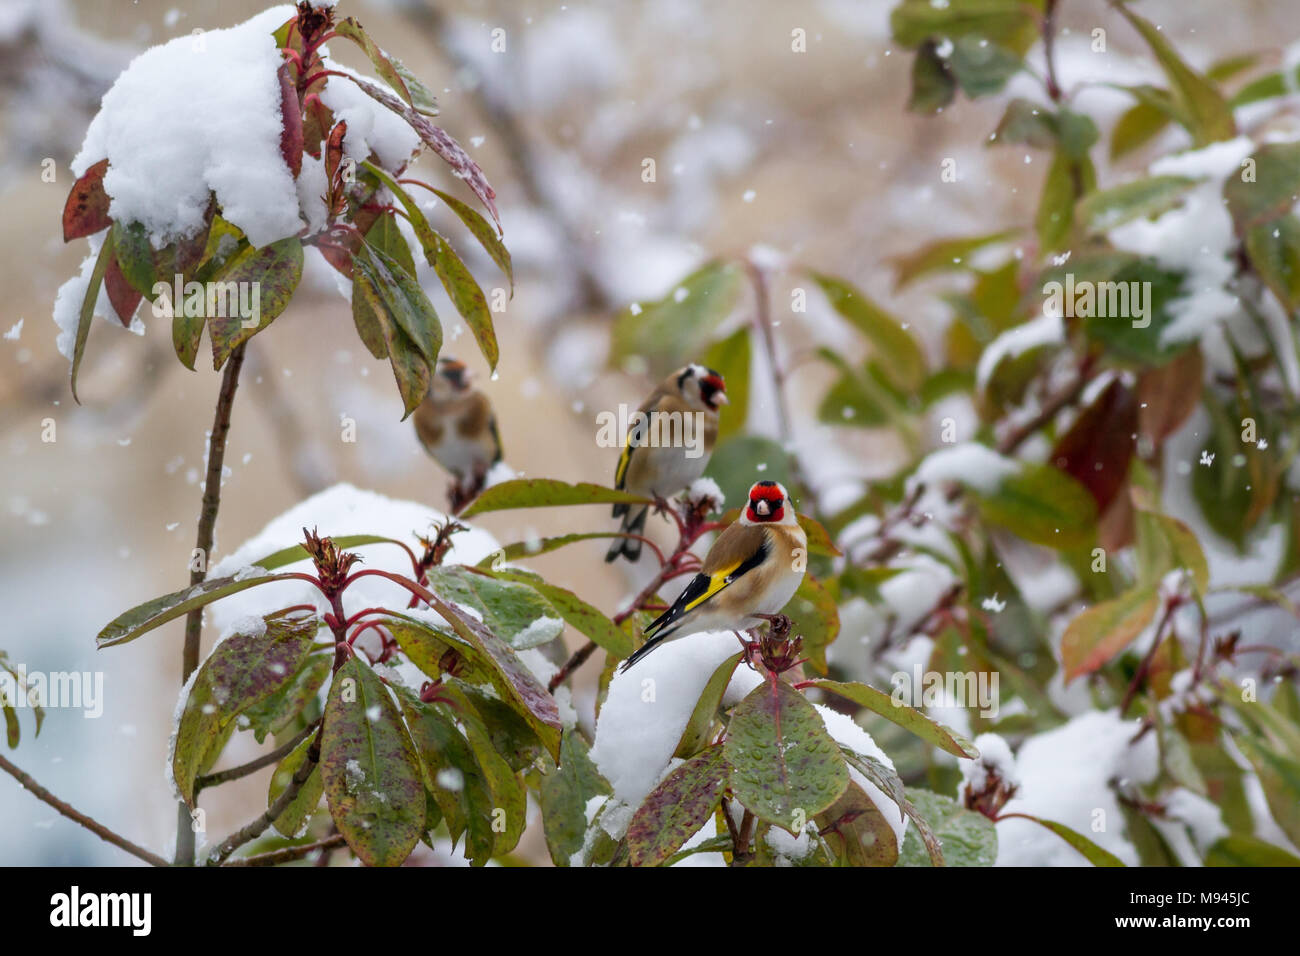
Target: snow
x,y
1065,777
1047,329
995,756
338,511
648,707
706,489
198,114
1196,237
976,466
67,303
371,127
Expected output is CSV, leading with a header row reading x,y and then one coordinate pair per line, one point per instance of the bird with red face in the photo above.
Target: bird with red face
x,y
659,469
750,573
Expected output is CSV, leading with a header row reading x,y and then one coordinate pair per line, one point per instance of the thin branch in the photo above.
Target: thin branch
x,y
266,760
101,831
203,544
1049,50
290,853
256,828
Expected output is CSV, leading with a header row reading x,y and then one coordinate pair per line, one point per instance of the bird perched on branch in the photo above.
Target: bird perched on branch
x,y
668,446
457,427
750,573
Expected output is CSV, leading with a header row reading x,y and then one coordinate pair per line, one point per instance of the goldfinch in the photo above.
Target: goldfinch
x,y
457,427
661,457
751,572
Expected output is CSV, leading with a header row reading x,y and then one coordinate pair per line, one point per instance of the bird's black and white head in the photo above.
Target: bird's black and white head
x,y
769,503
451,379
701,387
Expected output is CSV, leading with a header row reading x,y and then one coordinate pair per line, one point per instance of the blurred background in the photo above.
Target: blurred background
x,y
808,156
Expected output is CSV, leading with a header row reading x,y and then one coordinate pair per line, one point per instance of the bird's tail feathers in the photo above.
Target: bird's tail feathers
x,y
630,548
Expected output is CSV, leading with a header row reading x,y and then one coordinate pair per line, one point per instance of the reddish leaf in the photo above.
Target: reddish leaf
x,y
1099,445
334,151
442,143
1168,393
317,124
677,808
86,211
291,131
125,299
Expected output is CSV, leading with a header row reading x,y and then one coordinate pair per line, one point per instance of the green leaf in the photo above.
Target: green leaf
x,y
1274,250
88,310
1209,118
135,257
512,680
271,273
531,549
241,672
474,787
1140,124
968,838
1008,22
816,619
576,612
1150,196
906,717
1055,214
1279,777
678,328
565,791
483,232
1095,636
394,301
857,832
389,68
698,731
277,712
784,763
944,255
370,769
981,66
514,612
293,821
1091,851
296,553
1041,504
546,493
145,617
888,781
1118,326
677,808
899,352
933,84
456,279
744,459
1270,193
1239,849
730,358
1165,544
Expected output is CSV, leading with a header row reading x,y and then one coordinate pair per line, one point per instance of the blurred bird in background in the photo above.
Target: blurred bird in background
x,y
457,427
657,462
751,572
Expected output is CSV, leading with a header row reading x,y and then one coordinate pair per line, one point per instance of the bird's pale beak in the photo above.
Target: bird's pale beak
x,y
763,507
720,398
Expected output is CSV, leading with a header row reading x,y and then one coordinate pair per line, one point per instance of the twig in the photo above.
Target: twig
x,y
290,853
1141,673
101,831
259,826
741,854
266,760
1049,46
203,544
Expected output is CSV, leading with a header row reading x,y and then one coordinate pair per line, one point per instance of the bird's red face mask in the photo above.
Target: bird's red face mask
x,y
713,390
766,503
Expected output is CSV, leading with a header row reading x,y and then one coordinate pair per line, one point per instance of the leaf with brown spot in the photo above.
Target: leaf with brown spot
x,y
677,808
86,211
